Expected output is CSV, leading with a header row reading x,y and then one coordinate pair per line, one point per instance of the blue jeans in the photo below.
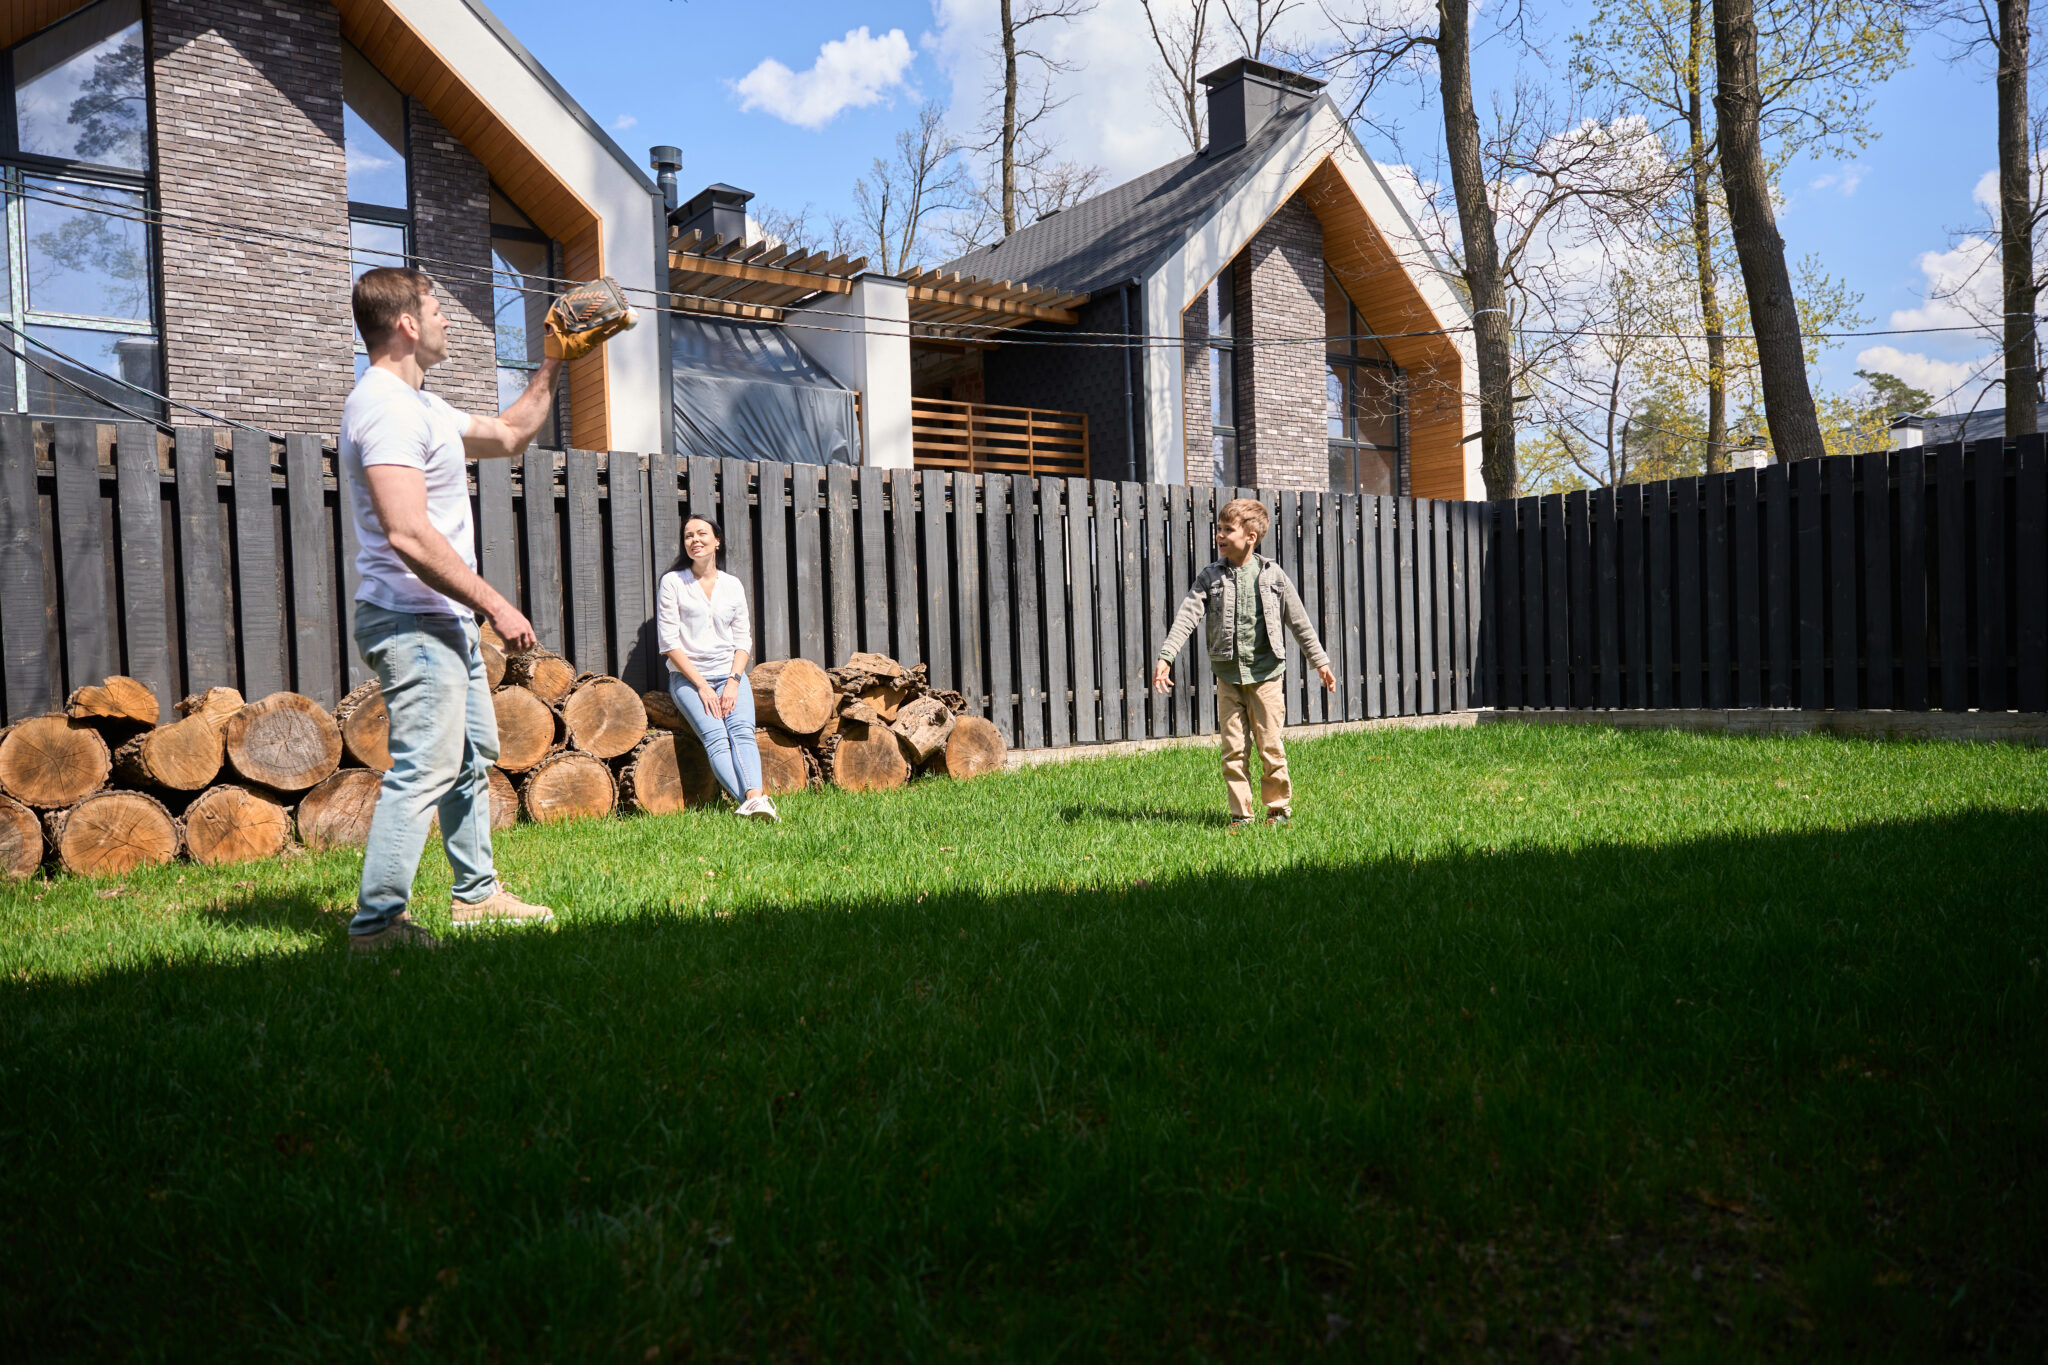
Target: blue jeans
x,y
735,757
444,738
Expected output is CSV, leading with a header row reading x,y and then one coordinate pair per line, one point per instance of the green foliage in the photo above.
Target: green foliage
x,y
1894,396
1520,1042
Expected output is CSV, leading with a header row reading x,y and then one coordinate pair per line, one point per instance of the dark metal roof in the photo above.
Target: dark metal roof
x,y
1119,234
1985,424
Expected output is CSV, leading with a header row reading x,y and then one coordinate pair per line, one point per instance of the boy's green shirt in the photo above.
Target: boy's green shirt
x,y
1254,660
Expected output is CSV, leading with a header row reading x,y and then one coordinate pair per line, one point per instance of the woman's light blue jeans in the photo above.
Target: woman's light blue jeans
x,y
735,757
444,738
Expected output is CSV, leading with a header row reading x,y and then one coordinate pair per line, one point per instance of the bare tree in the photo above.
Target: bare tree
x,y
1025,100
797,228
1254,21
1773,308
894,202
1182,38
2018,287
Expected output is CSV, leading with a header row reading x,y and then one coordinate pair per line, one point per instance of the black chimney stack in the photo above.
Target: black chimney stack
x,y
719,210
666,162
1246,95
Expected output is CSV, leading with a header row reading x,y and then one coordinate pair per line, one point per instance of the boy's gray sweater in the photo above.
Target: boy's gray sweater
x,y
1212,602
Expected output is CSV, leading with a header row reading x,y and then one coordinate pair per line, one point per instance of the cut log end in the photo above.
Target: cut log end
x,y
793,695
336,813
21,840
122,699
975,747
547,674
184,756
365,726
867,758
605,717
50,762
232,823
787,763
286,742
217,704
569,785
112,832
668,772
528,728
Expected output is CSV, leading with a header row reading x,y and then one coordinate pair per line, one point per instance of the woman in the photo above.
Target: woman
x,y
702,626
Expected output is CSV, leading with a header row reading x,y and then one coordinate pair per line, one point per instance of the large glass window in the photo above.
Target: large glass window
x,y
373,122
1222,383
1365,401
78,311
522,262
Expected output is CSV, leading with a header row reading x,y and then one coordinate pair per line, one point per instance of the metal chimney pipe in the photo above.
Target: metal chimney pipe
x,y
666,161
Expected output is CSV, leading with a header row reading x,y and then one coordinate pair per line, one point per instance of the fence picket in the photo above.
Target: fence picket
x,y
1283,545
903,541
1808,511
841,554
1178,576
1131,605
1781,583
1748,611
23,614
1002,674
1688,634
937,577
543,541
314,669
1632,517
1912,478
1066,631
1840,474
257,580
1714,489
1030,580
2030,574
632,635
1159,706
736,515
1508,608
967,601
1202,553
875,625
1557,645
1951,594
146,608
805,528
1352,612
1877,580
1657,546
1578,534
1104,604
584,564
775,610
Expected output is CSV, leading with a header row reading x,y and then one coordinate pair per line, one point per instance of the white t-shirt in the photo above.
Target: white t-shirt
x,y
388,421
706,630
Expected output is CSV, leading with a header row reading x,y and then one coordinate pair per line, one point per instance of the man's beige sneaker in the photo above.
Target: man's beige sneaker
x,y
403,932
500,907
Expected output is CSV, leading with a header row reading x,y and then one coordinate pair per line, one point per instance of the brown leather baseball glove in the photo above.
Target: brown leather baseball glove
x,y
586,317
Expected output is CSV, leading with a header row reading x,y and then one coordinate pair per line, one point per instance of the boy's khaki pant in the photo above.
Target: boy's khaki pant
x,y
1264,707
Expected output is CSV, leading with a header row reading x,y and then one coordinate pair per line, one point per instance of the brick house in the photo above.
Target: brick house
x,y
1320,343
191,186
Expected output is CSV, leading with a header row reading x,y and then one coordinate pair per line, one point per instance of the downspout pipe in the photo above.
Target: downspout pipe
x,y
1130,387
665,161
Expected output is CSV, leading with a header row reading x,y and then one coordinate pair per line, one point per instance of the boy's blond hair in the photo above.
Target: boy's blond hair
x,y
1249,513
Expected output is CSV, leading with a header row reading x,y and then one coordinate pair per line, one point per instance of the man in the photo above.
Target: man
x,y
403,462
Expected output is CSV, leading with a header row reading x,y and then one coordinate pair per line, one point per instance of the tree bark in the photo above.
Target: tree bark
x,y
2015,220
1773,309
1490,335
1009,137
1703,243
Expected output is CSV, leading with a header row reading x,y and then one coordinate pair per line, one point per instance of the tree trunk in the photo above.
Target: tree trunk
x,y
215,703
1009,134
286,741
52,761
545,673
21,840
232,823
2015,220
668,772
1703,244
569,785
118,699
787,764
504,800
528,728
975,747
661,711
605,717
1490,335
1773,309
183,756
864,758
112,832
923,726
793,695
336,814
365,726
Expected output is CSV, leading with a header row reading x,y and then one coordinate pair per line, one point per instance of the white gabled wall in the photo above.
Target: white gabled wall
x,y
636,393
1179,279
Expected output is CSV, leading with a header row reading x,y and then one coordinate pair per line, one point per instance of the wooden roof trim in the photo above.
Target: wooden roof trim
x,y
686,263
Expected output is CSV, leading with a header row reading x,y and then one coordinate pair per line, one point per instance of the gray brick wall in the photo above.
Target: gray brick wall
x,y
1086,379
451,218
1282,433
1194,370
248,131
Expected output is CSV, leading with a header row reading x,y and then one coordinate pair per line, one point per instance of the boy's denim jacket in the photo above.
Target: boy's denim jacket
x,y
1213,602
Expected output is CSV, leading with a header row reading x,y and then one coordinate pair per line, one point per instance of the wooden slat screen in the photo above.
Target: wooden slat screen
x,y
979,438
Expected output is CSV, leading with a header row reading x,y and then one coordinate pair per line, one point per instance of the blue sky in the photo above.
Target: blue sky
x,y
691,72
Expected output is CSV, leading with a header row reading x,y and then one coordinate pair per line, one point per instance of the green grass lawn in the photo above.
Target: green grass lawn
x,y
1520,1043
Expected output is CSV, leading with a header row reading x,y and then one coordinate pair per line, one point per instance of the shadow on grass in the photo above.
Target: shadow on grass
x,y
293,910
1732,1097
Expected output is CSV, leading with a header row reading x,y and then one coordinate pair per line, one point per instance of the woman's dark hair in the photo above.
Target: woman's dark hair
x,y
717,531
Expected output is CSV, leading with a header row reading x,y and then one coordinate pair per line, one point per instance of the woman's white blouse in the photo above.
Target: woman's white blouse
x,y
708,632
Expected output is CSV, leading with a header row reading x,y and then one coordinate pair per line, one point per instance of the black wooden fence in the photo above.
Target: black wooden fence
x,y
190,563
1913,580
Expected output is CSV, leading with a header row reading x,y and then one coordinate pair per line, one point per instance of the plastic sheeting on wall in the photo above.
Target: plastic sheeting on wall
x,y
744,391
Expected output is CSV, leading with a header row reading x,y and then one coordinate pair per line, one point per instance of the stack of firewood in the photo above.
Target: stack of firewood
x,y
102,787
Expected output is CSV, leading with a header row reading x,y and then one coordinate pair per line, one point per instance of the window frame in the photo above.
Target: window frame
x,y
532,236
1347,364
1222,359
16,166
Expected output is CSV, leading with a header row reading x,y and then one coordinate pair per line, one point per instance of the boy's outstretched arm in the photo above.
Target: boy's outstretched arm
x,y
1295,615
1184,622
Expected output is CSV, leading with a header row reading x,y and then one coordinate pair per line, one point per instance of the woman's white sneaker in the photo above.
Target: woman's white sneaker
x,y
759,808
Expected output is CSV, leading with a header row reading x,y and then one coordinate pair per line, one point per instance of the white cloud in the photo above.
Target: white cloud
x,y
1953,378
1843,181
623,122
850,73
1961,287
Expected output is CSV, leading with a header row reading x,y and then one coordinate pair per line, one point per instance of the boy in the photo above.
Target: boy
x,y
1243,601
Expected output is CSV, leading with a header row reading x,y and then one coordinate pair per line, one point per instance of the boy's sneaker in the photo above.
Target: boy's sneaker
x,y
1243,821
1277,819
403,932
500,907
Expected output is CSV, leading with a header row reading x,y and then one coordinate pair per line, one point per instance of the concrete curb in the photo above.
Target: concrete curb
x,y
1964,727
